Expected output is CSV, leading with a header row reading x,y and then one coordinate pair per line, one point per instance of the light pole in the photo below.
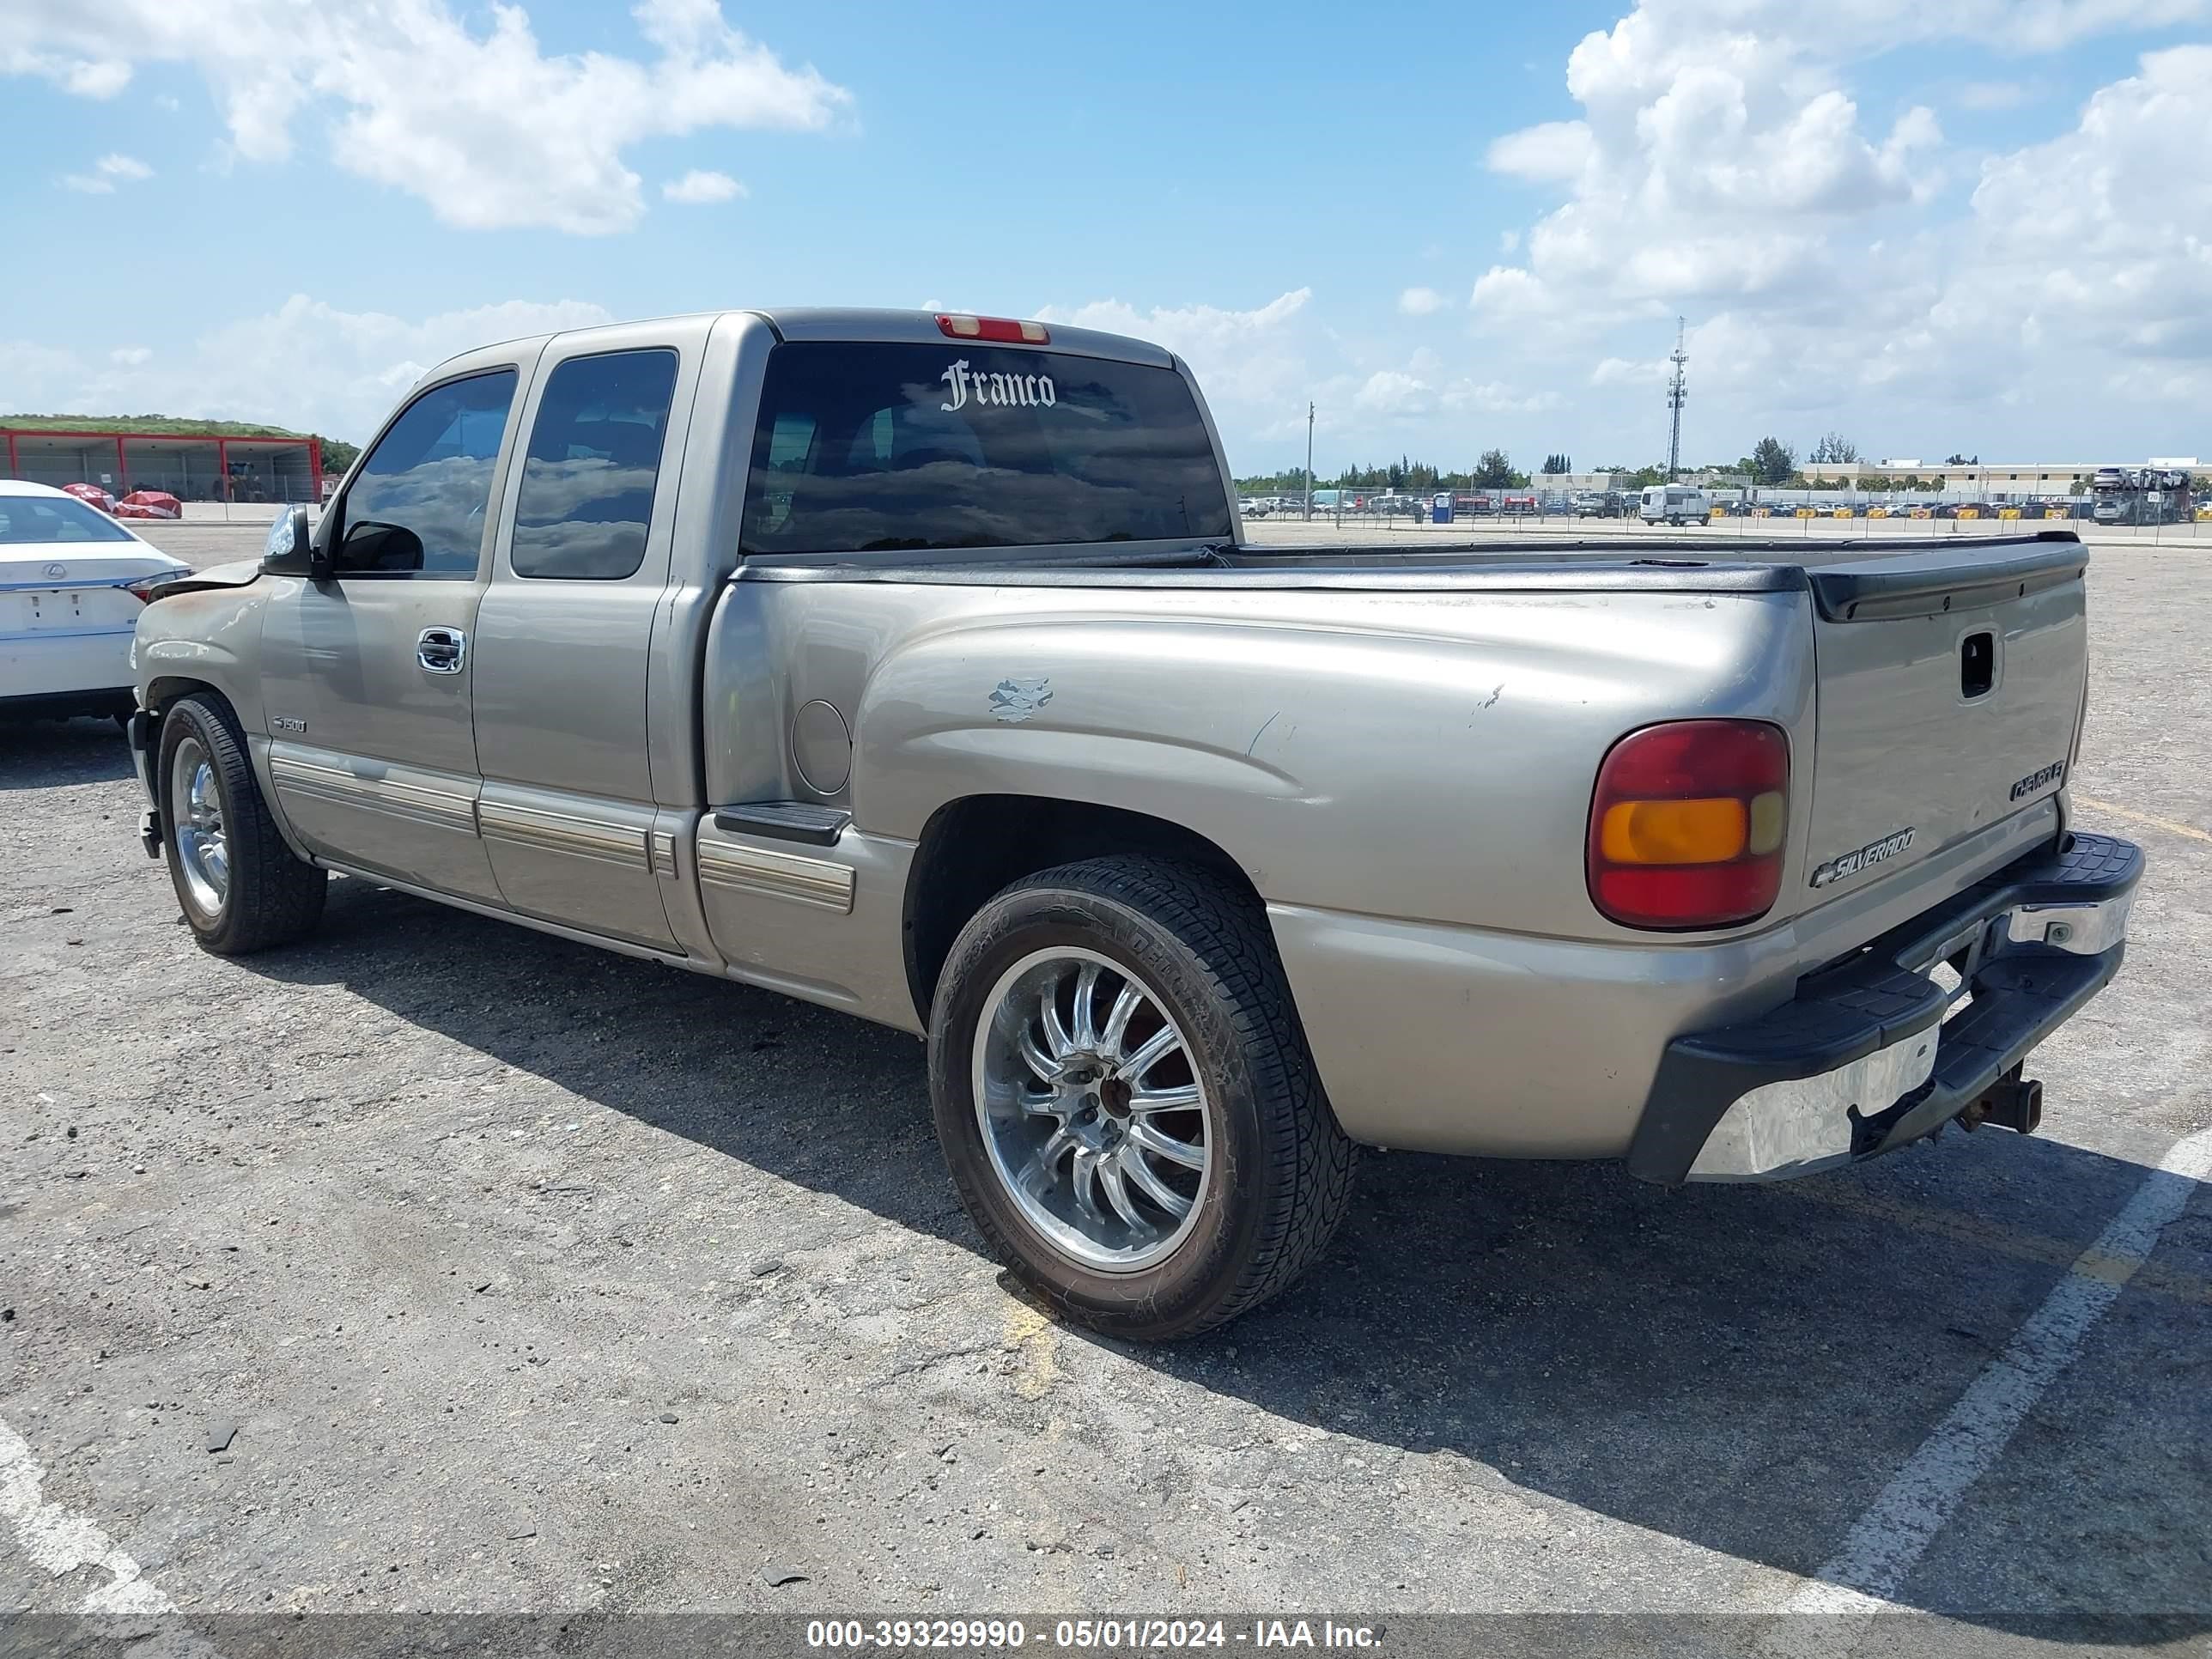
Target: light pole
x,y
1675,396
1310,421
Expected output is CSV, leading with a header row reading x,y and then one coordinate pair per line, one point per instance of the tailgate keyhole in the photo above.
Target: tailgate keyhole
x,y
1978,659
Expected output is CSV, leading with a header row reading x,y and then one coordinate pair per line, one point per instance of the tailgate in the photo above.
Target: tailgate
x,y
1950,685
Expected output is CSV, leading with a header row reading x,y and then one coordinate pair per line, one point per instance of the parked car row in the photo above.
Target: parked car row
x,y
1627,504
2077,507
1334,504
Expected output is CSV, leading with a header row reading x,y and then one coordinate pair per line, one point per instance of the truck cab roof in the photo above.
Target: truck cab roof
x,y
832,323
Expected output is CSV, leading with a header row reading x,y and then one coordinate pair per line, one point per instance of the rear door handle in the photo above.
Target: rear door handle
x,y
441,650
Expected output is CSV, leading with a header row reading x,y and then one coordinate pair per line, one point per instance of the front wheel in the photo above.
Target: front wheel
x,y
241,887
1126,1100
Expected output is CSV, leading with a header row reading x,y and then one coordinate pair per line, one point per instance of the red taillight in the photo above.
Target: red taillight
x,y
1688,824
145,587
1002,329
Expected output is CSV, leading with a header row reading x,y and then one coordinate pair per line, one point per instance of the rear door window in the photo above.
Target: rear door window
x,y
587,482
872,448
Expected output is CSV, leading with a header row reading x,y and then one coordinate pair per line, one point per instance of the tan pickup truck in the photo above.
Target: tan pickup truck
x,y
918,665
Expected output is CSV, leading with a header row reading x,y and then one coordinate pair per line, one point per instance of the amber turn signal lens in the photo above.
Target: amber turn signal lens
x,y
1672,831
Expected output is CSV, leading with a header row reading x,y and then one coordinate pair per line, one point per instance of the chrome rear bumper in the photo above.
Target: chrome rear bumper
x,y
1863,1058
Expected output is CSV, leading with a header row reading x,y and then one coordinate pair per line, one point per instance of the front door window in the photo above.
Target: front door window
x,y
417,507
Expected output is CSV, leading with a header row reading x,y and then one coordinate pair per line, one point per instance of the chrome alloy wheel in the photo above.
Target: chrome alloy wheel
x,y
1091,1108
195,810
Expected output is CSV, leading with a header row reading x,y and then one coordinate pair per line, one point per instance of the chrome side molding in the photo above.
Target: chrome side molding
x,y
562,832
776,874
445,808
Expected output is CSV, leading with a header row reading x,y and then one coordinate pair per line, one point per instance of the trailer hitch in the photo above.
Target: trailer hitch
x,y
2012,1102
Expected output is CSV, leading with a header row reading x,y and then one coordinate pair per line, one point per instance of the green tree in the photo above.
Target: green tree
x,y
1834,449
1494,471
1771,461
1558,462
338,455
1290,481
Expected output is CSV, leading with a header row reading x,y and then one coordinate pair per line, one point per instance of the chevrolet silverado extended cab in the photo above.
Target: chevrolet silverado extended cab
x,y
917,666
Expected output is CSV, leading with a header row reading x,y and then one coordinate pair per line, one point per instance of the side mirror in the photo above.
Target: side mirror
x,y
290,549
386,549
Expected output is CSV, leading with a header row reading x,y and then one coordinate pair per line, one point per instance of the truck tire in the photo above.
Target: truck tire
x,y
242,888
1126,1100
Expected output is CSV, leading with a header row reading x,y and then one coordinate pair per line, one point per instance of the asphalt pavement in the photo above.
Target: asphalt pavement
x,y
437,1265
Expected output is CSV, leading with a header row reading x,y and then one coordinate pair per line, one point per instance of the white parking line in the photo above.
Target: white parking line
x,y
62,1542
1882,1549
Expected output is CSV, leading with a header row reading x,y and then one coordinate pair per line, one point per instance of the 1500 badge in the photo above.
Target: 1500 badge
x,y
2035,780
1874,852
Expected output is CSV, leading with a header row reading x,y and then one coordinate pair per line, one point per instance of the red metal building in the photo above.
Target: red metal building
x,y
194,466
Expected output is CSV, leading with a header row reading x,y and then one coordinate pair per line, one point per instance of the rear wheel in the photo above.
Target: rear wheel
x,y
1126,1101
241,887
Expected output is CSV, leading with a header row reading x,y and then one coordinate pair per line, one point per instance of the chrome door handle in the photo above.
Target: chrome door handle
x,y
441,650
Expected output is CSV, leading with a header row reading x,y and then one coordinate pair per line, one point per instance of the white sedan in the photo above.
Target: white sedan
x,y
72,581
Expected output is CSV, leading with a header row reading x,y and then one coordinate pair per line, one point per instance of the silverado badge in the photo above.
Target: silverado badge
x,y
1874,852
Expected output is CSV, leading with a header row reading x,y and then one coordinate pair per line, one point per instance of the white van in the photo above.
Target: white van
x,y
1675,504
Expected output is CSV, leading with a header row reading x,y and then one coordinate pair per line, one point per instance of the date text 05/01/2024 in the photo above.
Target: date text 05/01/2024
x,y
1088,1634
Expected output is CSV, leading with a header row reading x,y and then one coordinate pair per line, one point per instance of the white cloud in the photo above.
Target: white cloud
x,y
1391,391
1716,146
1421,301
100,181
86,76
486,128
1722,167
1397,394
2120,261
1550,152
1621,371
2052,25
701,186
100,78
1252,358
249,369
1197,325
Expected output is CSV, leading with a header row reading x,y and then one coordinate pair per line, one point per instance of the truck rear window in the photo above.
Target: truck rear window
x,y
873,448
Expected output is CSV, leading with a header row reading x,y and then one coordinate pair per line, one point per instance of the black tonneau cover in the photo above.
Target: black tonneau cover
x,y
1849,578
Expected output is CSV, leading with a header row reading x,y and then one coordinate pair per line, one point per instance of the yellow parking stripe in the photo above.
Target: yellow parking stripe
x,y
2167,824
2015,1242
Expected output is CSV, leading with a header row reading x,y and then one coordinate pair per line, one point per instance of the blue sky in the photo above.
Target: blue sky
x,y
1449,227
